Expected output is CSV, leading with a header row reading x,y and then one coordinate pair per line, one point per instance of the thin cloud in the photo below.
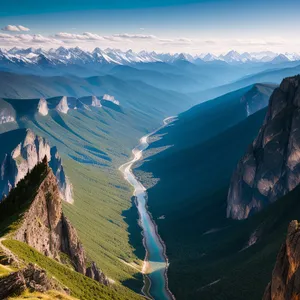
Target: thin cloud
x,y
138,42
80,37
135,36
27,39
23,28
15,28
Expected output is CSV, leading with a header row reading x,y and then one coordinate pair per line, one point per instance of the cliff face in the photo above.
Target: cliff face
x,y
62,106
86,102
45,228
11,110
271,166
285,282
65,187
96,102
110,98
43,107
7,112
24,157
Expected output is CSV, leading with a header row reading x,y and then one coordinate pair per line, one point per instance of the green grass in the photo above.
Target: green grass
x,y
49,295
192,193
93,145
5,270
80,286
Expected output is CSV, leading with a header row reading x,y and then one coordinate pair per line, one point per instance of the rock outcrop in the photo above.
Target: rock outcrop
x,y
96,102
44,227
271,166
96,274
16,164
43,107
32,278
63,106
110,98
285,282
7,112
86,102
65,187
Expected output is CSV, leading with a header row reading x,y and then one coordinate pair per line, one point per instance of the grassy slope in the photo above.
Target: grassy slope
x,y
93,144
80,286
11,210
50,295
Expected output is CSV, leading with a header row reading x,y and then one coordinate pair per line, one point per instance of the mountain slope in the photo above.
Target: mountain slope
x,y
214,116
93,142
135,95
35,217
274,76
20,152
187,171
269,169
285,282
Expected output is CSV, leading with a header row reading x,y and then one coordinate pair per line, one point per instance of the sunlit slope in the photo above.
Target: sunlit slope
x,y
93,143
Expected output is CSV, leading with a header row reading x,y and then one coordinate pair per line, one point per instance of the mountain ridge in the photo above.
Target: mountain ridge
x,y
269,169
64,55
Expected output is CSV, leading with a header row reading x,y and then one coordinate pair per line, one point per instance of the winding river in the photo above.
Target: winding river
x,y
156,262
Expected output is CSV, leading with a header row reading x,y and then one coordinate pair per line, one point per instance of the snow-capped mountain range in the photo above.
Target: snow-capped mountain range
x,y
67,56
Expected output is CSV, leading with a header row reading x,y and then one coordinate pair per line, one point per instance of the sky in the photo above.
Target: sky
x,y
191,26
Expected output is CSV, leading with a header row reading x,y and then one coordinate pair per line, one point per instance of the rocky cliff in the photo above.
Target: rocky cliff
x,y
12,110
31,277
110,98
85,102
96,102
271,166
65,187
18,160
62,105
7,112
43,107
285,282
44,227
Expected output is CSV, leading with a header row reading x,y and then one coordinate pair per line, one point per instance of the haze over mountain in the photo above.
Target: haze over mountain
x,y
71,55
187,170
92,107
149,150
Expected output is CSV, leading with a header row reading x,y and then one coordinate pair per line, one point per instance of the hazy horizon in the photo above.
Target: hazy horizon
x,y
197,27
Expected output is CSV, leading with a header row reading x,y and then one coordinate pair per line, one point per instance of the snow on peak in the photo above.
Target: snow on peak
x,y
63,55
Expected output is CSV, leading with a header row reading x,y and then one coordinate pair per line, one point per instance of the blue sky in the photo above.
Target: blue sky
x,y
169,26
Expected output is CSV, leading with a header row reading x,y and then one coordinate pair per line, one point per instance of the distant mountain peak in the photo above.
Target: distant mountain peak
x,y
76,55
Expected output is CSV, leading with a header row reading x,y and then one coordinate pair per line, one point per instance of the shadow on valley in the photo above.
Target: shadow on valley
x,y
211,257
131,218
59,120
